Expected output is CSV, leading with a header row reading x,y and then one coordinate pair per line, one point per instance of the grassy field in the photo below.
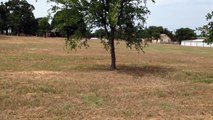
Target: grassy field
x,y
41,79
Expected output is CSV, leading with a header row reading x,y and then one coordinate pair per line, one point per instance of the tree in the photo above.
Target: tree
x,y
125,17
71,21
3,18
185,34
28,21
155,31
43,26
207,30
21,18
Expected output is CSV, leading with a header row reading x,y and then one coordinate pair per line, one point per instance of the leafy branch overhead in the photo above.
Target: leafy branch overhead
x,y
207,30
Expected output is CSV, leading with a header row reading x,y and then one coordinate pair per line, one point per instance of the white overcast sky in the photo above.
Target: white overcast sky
x,y
174,14
171,14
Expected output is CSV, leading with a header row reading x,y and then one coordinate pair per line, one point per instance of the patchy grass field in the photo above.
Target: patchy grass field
x,y
40,79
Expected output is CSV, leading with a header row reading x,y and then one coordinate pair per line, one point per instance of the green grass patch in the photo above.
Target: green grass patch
x,y
129,113
93,100
166,105
204,80
3,95
48,89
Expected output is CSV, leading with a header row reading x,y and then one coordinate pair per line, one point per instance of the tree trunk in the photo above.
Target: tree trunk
x,y
68,34
112,49
6,31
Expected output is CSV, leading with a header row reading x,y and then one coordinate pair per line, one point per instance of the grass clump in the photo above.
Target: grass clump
x,y
93,100
166,105
47,89
204,80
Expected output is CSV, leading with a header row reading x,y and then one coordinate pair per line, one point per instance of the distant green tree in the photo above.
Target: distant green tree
x,y
21,18
185,34
43,26
28,21
155,31
115,16
71,21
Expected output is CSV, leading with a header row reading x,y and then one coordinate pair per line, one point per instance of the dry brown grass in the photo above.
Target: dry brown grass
x,y
40,79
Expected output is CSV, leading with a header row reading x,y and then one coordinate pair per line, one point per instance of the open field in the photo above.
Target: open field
x,y
40,79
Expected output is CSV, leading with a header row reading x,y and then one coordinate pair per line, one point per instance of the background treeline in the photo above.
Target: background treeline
x,y
154,32
17,18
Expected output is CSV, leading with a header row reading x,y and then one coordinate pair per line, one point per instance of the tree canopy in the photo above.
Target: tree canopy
x,y
185,34
43,26
126,17
207,30
17,16
3,17
71,21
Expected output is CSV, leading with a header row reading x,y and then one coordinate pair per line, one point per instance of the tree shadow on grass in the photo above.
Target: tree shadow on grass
x,y
133,70
144,70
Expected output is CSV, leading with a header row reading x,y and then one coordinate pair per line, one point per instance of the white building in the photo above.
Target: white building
x,y
196,43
